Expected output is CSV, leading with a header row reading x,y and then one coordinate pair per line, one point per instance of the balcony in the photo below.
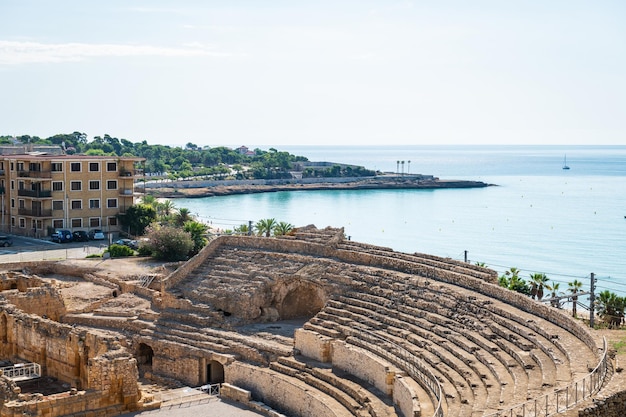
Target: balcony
x,y
126,192
35,212
34,174
35,193
126,173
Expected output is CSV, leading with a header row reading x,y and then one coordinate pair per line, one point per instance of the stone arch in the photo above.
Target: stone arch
x,y
144,354
302,299
214,372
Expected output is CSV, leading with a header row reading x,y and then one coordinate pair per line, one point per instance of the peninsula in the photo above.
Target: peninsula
x,y
191,189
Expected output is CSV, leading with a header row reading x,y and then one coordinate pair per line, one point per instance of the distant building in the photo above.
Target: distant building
x,y
40,192
243,150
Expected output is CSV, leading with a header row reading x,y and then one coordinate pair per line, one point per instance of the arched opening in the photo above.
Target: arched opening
x,y
303,301
14,285
144,355
214,372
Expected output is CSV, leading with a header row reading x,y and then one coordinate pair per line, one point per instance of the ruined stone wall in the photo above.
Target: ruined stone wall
x,y
43,301
313,345
84,360
405,398
283,393
363,365
612,406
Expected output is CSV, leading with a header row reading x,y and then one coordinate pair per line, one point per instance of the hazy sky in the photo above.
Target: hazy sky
x,y
233,72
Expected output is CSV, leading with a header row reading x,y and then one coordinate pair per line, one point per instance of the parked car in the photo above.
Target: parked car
x,y
80,236
133,244
96,234
6,241
61,236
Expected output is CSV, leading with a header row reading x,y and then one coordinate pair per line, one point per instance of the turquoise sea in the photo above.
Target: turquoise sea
x,y
538,218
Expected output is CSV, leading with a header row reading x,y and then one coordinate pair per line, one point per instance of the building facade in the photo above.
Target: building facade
x,y
42,192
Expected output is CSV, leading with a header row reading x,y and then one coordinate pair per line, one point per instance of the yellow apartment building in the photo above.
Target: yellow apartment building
x,y
42,192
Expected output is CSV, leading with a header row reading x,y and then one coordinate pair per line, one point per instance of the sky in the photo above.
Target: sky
x,y
323,72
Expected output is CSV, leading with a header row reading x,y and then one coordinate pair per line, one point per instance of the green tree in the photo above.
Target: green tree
x,y
610,308
242,229
283,228
197,231
183,216
553,288
137,218
168,243
265,227
574,288
537,285
512,281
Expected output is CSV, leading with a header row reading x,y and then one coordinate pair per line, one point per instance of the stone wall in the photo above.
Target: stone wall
x,y
282,392
44,301
83,360
313,345
405,398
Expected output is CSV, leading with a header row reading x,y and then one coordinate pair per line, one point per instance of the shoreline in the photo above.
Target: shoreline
x,y
187,189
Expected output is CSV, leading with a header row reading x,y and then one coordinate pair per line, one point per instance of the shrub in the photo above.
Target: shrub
x,y
118,251
169,243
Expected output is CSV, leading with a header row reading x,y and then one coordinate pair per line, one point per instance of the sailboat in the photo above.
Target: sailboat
x,y
565,166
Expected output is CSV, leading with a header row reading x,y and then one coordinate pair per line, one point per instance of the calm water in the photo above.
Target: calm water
x,y
539,217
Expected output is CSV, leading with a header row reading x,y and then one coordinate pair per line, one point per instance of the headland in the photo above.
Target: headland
x,y
199,188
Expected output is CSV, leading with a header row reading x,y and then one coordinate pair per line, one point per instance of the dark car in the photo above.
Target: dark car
x,y
6,241
133,244
80,236
61,236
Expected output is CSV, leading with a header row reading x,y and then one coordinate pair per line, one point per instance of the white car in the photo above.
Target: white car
x,y
97,234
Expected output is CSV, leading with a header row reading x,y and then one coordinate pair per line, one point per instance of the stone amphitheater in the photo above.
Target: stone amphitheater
x,y
310,325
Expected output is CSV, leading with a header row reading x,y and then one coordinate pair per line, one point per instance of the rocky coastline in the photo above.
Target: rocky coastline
x,y
196,189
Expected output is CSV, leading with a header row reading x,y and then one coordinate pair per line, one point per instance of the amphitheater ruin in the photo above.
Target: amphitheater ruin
x,y
310,325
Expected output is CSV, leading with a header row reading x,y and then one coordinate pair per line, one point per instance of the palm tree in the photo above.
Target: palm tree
x,y
283,228
183,216
511,280
610,308
397,167
149,200
265,226
402,168
167,207
574,288
553,288
408,170
242,229
537,284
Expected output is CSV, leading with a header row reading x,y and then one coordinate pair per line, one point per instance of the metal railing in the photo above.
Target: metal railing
x,y
564,398
22,371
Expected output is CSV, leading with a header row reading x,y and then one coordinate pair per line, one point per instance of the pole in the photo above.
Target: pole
x,y
592,299
465,256
249,227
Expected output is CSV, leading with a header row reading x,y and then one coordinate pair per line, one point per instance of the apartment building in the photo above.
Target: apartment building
x,y
42,192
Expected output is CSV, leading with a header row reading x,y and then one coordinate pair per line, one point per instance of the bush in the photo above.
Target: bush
x,y
169,243
94,255
118,251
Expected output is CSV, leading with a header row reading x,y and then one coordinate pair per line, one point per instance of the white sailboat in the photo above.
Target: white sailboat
x,y
565,166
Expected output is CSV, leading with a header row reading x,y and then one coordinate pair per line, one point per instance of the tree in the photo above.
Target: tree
x,y
168,243
197,231
537,285
183,216
265,227
283,228
574,288
512,281
610,308
137,218
242,229
553,288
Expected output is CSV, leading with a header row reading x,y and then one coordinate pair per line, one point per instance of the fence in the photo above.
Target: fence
x,y
48,253
562,399
22,371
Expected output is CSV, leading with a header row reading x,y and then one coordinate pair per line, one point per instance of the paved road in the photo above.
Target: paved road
x,y
26,249
213,407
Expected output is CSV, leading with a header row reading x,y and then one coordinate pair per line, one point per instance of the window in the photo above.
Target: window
x,y
111,202
57,167
111,166
111,185
77,204
112,221
57,186
20,166
57,204
94,185
94,167
94,204
22,222
12,203
57,223
12,183
77,222
13,221
75,167
21,203
76,185
94,222
12,167
20,185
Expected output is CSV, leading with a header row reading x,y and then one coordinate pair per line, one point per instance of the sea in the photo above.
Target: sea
x,y
537,216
